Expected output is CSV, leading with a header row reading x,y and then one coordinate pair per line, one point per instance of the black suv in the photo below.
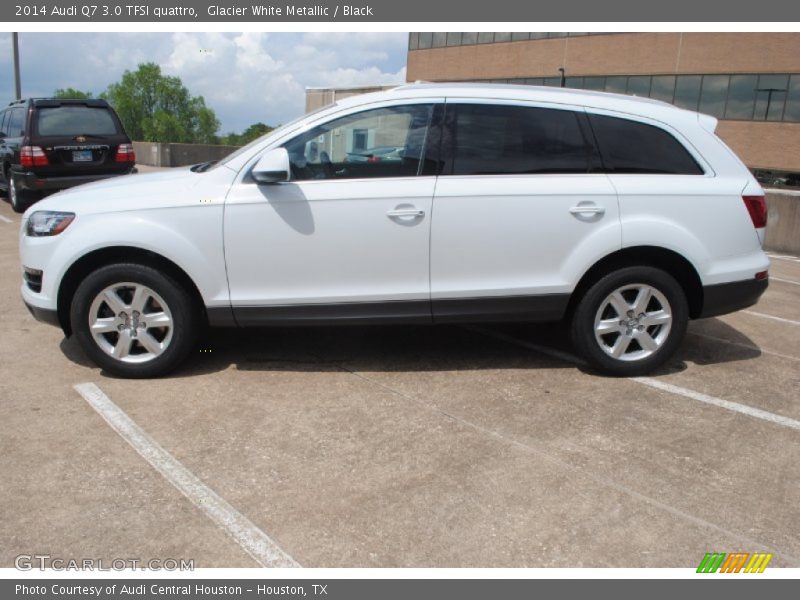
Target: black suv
x,y
50,144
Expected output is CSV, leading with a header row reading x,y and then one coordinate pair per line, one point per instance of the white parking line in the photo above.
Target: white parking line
x,y
5,219
772,317
252,540
654,383
784,257
727,404
784,280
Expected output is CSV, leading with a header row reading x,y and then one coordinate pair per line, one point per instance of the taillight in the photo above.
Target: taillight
x,y
125,153
757,207
32,156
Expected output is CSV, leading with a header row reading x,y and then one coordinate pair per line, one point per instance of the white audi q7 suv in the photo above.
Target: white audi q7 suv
x,y
625,216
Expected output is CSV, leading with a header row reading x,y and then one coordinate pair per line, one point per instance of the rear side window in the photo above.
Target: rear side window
x,y
633,147
502,139
4,122
75,120
16,122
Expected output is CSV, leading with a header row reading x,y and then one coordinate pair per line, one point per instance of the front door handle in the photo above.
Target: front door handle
x,y
587,209
406,212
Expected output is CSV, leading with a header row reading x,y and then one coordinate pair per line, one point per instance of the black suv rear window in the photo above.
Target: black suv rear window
x,y
633,147
76,120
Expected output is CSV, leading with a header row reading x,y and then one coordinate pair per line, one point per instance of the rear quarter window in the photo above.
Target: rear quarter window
x,y
632,147
75,120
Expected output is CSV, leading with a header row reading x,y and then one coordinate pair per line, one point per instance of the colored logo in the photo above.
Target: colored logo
x,y
735,562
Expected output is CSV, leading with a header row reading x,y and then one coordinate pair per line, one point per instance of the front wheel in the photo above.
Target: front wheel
x,y
630,321
134,321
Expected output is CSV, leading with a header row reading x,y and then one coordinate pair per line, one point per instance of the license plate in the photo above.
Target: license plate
x,y
81,155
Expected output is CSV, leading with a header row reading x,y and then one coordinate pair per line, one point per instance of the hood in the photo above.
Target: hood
x,y
162,189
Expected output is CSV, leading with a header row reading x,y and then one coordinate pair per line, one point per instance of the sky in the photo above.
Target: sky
x,y
245,77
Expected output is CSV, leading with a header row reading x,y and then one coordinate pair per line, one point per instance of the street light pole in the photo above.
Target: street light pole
x,y
17,84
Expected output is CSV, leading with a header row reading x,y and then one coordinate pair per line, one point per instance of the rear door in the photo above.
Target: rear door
x,y
519,213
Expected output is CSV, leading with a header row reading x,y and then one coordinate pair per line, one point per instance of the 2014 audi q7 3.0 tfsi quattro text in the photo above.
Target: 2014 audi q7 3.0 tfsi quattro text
x,y
626,216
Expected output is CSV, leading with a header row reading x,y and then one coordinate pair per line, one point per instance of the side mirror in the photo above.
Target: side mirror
x,y
273,167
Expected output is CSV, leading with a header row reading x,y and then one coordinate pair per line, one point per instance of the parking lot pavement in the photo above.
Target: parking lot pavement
x,y
444,446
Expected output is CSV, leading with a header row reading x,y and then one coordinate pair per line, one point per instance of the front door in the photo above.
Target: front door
x,y
348,237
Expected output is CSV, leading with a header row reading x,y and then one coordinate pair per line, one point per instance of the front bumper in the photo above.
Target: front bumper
x,y
44,315
726,298
32,181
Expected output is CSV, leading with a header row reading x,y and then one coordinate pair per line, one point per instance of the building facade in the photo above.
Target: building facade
x,y
749,81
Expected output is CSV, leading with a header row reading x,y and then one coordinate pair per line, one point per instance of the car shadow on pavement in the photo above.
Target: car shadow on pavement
x,y
425,348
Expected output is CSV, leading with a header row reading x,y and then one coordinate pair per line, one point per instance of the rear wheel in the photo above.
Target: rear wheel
x,y
631,321
134,321
19,198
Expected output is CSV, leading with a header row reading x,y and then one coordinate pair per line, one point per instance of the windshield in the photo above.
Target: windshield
x,y
258,141
76,120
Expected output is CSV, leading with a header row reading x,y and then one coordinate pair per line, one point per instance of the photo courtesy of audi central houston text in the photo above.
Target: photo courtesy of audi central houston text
x,y
400,299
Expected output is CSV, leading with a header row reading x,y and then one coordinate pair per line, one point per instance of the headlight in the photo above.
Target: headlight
x,y
48,222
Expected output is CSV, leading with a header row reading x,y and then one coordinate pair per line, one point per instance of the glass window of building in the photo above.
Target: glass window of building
x,y
741,97
453,39
792,111
713,94
425,39
639,85
469,38
616,85
502,37
413,40
687,91
770,97
519,36
439,39
662,87
594,83
485,37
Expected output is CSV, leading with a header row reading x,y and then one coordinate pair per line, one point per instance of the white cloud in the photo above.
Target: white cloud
x,y
244,77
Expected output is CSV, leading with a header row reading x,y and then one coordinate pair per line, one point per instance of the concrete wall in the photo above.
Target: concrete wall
x,y
178,155
783,225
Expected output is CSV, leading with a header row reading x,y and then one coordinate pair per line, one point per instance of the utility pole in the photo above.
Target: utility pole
x,y
17,84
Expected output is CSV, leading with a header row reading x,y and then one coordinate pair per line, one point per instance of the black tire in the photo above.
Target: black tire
x,y
591,345
185,321
19,198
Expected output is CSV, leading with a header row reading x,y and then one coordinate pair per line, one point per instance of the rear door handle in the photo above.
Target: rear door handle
x,y
406,212
587,209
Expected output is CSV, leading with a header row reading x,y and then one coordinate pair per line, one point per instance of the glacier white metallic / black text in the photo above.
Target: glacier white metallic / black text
x,y
424,204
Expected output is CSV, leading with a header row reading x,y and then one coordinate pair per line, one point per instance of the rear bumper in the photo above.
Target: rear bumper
x,y
32,181
725,298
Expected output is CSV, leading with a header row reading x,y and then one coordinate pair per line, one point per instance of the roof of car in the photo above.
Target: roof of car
x,y
636,105
59,101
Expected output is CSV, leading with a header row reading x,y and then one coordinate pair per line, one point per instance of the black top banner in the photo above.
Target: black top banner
x,y
89,11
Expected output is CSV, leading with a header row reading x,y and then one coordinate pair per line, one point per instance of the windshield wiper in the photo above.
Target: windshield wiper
x,y
202,167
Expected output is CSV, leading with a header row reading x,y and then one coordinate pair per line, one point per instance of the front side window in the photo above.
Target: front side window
x,y
516,140
632,147
383,142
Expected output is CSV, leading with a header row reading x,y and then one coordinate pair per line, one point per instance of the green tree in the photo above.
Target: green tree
x,y
158,108
71,93
256,130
